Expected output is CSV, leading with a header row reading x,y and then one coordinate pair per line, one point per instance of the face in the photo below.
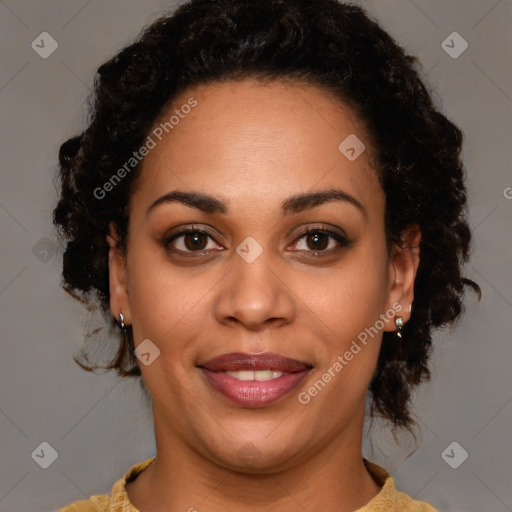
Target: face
x,y
258,268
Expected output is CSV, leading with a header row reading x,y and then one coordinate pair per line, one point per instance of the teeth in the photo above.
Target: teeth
x,y
259,375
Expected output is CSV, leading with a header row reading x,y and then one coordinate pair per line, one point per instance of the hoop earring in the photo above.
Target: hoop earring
x,y
121,322
399,322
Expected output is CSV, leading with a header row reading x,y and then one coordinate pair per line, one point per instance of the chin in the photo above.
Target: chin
x,y
257,456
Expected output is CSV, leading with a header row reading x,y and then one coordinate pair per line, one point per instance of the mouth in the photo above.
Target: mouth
x,y
254,380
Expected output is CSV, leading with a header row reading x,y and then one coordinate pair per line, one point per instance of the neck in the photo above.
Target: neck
x,y
182,479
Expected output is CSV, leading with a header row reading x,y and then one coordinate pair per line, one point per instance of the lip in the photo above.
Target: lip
x,y
238,361
254,393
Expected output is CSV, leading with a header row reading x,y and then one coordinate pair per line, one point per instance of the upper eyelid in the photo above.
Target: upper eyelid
x,y
324,228
189,228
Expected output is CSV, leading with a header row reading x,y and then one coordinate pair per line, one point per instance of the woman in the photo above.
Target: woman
x,y
273,211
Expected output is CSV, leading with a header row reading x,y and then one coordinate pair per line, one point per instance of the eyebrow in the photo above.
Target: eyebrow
x,y
293,204
203,202
301,202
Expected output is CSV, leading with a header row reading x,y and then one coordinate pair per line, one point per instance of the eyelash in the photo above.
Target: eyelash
x,y
343,241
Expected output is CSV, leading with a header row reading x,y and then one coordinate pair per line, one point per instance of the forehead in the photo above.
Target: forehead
x,y
256,141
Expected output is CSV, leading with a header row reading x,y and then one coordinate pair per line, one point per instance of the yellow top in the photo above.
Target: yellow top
x,y
388,499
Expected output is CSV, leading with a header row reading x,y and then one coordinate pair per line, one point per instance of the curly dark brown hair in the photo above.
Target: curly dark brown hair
x,y
322,42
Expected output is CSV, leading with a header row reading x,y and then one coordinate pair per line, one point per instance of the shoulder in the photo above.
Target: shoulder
x,y
117,500
407,504
389,498
94,504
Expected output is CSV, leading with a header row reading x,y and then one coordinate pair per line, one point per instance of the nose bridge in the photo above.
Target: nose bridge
x,y
253,294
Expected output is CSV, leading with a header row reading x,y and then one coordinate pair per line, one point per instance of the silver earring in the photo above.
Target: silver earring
x,y
399,322
121,322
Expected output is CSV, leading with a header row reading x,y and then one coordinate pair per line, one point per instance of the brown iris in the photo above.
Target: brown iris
x,y
318,241
195,241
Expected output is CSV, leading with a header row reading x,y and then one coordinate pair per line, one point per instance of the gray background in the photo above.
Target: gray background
x,y
100,425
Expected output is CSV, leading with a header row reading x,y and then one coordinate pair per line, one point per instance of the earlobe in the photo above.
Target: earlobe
x,y
404,262
119,303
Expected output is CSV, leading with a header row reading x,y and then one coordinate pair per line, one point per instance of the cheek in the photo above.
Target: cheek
x,y
351,297
169,311
347,354
347,307
167,307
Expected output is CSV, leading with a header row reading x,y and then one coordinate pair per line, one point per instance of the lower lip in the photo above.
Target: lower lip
x,y
253,393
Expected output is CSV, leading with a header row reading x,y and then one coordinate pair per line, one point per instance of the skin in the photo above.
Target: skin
x,y
253,145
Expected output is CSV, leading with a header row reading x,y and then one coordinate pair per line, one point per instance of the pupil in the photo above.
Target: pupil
x,y
194,241
318,241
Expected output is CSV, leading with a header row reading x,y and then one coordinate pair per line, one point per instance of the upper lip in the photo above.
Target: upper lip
x,y
238,361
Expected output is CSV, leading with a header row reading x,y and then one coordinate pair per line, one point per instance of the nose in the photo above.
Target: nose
x,y
255,295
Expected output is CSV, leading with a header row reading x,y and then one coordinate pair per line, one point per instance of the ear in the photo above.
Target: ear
x,y
117,278
403,267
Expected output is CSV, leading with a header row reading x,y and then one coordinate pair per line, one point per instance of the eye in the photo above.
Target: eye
x,y
191,241
319,240
314,241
